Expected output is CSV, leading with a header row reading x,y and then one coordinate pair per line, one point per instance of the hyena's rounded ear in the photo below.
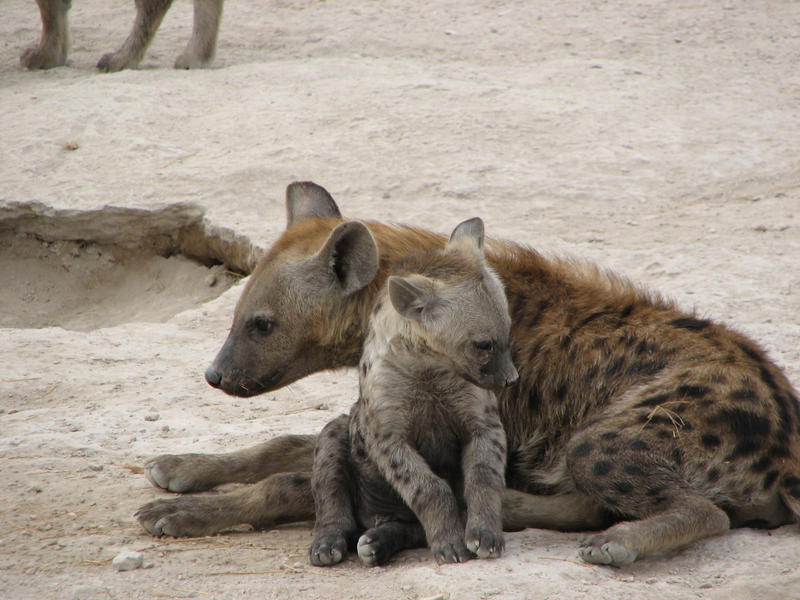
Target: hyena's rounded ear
x,y
349,259
306,199
468,234
412,298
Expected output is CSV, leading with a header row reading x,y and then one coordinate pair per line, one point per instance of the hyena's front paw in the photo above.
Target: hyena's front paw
x,y
179,517
485,542
604,549
192,59
179,473
451,550
115,61
44,57
329,547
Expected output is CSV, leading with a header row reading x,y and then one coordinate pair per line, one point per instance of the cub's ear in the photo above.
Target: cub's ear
x,y
349,258
412,298
306,199
468,234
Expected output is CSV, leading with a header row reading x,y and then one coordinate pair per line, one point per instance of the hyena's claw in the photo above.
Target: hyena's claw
x,y
485,543
451,552
329,548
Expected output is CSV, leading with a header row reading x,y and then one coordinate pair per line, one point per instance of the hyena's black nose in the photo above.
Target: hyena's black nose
x,y
213,377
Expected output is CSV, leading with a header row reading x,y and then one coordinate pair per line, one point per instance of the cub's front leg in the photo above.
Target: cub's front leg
x,y
428,495
335,527
484,463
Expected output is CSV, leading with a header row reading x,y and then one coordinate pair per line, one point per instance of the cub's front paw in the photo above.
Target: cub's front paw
x,y
329,547
485,542
452,550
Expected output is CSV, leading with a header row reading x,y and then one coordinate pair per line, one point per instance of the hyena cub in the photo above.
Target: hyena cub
x,y
427,449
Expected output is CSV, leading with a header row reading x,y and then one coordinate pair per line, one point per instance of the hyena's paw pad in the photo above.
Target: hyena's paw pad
x,y
177,517
329,547
175,473
484,542
602,550
451,551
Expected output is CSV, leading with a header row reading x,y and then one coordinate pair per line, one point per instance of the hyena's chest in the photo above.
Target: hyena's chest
x,y
440,443
424,424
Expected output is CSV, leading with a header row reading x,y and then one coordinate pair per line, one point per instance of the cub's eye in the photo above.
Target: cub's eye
x,y
263,325
484,345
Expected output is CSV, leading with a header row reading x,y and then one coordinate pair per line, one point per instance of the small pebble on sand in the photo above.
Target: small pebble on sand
x,y
127,560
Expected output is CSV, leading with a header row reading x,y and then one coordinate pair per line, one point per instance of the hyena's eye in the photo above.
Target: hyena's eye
x,y
484,345
263,325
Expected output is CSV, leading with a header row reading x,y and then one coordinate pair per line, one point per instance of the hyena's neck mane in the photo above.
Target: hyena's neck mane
x,y
349,325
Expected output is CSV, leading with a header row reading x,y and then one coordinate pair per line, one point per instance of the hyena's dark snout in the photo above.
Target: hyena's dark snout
x,y
213,377
499,372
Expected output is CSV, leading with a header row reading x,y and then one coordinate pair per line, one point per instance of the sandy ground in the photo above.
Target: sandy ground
x,y
659,139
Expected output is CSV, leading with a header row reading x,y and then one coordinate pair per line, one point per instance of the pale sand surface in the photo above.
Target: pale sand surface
x,y
658,139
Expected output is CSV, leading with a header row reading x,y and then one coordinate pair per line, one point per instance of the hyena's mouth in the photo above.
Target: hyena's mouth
x,y
246,386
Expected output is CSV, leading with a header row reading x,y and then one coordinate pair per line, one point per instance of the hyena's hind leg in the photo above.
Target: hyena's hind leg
x,y
199,472
149,14
200,50
634,475
281,498
54,44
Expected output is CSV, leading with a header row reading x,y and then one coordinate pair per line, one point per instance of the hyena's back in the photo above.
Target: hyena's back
x,y
634,403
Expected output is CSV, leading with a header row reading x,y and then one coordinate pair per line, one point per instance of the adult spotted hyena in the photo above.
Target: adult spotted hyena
x,y
628,412
53,47
426,446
